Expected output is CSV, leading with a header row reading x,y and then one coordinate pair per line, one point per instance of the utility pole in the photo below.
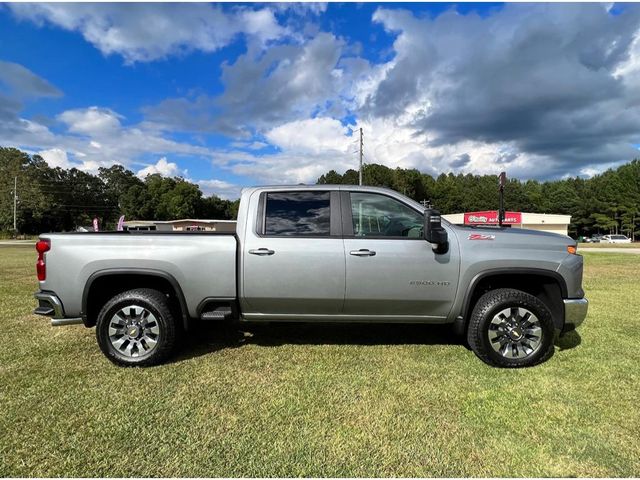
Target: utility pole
x,y
502,180
15,201
361,154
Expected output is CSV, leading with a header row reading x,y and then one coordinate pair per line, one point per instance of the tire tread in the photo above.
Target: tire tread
x,y
488,302
159,302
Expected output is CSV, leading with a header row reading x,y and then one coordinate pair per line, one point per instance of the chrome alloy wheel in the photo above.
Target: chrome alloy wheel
x,y
515,332
134,331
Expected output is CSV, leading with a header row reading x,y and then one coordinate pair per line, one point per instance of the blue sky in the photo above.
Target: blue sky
x,y
229,95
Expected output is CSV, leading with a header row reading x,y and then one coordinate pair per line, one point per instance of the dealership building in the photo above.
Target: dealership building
x,y
544,222
182,225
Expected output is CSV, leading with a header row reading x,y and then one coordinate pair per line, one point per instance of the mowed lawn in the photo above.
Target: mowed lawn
x,y
608,245
294,400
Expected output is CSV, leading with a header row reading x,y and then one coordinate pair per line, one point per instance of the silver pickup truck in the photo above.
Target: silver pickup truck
x,y
317,254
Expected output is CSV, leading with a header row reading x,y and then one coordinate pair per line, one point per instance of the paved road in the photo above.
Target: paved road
x,y
17,242
633,250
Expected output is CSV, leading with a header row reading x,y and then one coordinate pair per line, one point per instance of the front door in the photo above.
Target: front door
x,y
293,258
390,269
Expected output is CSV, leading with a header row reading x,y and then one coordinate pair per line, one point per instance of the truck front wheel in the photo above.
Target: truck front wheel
x,y
510,328
136,328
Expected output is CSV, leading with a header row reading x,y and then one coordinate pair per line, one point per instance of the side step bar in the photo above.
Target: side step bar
x,y
61,322
218,313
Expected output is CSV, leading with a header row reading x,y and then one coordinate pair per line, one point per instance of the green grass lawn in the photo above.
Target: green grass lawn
x,y
294,400
608,245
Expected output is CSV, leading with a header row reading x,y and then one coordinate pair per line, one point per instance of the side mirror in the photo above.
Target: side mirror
x,y
434,233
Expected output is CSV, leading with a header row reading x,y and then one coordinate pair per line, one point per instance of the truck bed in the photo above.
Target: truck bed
x,y
202,263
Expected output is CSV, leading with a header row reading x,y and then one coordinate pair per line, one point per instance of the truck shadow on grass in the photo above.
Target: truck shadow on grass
x,y
206,338
568,341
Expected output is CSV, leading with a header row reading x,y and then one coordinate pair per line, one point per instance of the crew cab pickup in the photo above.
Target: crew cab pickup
x,y
317,254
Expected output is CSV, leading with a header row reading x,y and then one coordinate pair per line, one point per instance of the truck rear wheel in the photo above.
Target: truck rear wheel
x,y
136,328
510,328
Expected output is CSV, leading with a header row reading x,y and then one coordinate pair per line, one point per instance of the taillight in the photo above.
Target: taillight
x,y
41,247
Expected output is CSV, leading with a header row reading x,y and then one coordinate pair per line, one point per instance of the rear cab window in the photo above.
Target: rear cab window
x,y
299,214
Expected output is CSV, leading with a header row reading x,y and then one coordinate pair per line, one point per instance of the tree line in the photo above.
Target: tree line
x,y
57,199
605,203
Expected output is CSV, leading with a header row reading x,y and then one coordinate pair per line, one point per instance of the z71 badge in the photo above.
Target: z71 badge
x,y
481,236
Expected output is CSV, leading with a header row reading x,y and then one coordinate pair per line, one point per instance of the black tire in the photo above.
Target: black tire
x,y
485,311
163,323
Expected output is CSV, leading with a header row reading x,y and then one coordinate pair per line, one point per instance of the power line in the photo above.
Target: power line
x,y
88,206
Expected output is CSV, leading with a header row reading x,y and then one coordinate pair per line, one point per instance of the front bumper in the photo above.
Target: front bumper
x,y
50,305
575,311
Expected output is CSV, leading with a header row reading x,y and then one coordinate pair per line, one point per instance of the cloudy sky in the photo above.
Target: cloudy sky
x,y
232,95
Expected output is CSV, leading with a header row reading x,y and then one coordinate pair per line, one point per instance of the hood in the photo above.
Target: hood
x,y
462,229
505,237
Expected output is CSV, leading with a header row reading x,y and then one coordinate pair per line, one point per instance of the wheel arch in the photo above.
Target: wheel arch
x,y
104,284
547,285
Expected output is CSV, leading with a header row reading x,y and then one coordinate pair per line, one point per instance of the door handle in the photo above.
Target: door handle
x,y
363,252
262,251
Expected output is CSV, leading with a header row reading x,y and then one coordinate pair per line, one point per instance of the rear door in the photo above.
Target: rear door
x,y
391,270
293,257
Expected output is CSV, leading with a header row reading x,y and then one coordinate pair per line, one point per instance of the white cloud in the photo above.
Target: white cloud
x,y
162,166
314,135
98,134
546,81
93,137
310,148
266,88
260,24
143,32
255,145
220,188
303,9
91,121
56,157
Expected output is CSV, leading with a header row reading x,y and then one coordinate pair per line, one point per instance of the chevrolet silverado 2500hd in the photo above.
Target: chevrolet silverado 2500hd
x,y
317,254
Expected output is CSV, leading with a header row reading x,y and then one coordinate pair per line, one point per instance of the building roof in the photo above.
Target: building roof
x,y
141,223
191,220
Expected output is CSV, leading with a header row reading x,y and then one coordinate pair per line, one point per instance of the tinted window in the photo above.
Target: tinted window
x,y
298,213
381,216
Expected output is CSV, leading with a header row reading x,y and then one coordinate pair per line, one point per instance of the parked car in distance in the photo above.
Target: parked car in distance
x,y
322,253
596,238
615,239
